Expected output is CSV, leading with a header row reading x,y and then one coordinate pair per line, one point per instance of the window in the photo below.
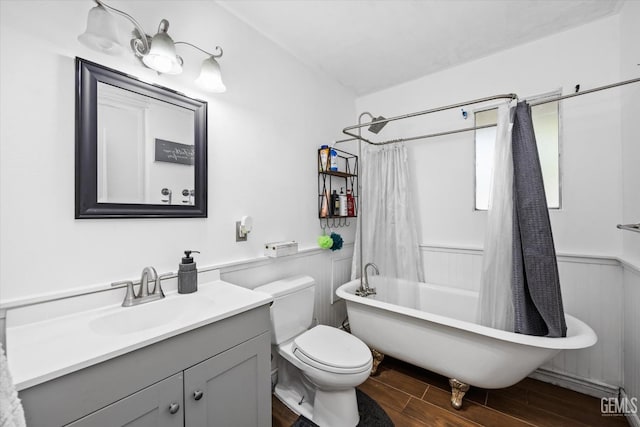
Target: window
x,y
546,125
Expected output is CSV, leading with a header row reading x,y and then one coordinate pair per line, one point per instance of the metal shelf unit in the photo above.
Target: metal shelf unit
x,y
346,177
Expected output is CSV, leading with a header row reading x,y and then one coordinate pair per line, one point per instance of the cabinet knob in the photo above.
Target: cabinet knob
x,y
197,395
174,408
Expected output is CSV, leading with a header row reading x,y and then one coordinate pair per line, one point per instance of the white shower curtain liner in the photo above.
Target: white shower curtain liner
x,y
495,304
388,221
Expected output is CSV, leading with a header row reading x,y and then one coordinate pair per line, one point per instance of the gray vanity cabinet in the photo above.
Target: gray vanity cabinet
x,y
215,375
225,390
228,390
159,405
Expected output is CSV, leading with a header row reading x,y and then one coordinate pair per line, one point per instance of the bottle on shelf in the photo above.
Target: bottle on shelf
x,y
343,202
324,209
351,206
324,158
333,160
335,204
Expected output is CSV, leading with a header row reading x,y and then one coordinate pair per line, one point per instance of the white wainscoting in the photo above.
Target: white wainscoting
x,y
631,289
341,274
329,269
592,291
455,267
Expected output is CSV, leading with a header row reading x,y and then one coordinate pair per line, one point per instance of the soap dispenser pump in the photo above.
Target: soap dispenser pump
x,y
187,274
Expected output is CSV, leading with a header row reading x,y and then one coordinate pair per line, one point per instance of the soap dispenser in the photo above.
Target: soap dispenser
x,y
187,274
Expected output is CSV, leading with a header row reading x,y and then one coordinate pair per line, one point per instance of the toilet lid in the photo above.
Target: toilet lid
x,y
332,350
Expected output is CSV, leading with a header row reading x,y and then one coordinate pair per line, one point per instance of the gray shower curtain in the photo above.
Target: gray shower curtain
x,y
535,283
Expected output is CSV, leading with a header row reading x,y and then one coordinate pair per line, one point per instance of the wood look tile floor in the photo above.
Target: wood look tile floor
x,y
414,397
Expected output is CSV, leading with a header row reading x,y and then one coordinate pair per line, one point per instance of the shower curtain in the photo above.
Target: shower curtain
x,y
520,285
495,302
537,301
386,211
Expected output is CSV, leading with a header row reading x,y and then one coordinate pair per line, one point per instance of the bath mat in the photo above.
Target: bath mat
x,y
371,414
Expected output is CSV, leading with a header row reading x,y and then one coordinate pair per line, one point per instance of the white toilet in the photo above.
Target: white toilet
x,y
318,368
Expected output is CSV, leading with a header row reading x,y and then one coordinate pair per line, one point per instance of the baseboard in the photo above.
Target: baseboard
x,y
581,385
633,419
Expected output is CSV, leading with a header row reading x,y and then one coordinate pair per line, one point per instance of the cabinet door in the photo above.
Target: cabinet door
x,y
232,389
159,405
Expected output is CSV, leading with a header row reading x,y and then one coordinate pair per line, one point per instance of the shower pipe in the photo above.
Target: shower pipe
x,y
511,96
361,195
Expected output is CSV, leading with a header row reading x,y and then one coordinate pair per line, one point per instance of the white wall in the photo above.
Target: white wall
x,y
630,68
599,158
629,59
442,167
263,136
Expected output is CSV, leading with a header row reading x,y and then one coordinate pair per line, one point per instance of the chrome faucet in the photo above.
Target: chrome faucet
x,y
143,295
366,290
147,273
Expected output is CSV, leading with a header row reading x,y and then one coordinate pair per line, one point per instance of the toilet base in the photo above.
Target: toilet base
x,y
325,408
329,409
336,408
293,400
293,389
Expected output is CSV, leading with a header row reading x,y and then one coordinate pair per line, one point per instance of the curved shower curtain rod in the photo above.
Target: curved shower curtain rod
x,y
511,96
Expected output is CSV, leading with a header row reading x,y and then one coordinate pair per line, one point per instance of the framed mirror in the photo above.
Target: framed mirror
x,y
141,149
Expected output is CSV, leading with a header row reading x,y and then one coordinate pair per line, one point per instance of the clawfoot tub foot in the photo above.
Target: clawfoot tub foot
x,y
377,359
458,390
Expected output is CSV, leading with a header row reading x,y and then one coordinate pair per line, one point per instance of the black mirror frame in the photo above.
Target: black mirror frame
x,y
88,74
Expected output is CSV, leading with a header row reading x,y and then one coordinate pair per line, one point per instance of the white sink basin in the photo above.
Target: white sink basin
x,y
129,320
39,351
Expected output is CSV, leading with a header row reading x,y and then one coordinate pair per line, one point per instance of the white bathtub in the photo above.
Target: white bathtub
x,y
433,327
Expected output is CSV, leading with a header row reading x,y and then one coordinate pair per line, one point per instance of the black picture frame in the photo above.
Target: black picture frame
x,y
88,75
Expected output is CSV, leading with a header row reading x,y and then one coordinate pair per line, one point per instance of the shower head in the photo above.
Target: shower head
x,y
376,126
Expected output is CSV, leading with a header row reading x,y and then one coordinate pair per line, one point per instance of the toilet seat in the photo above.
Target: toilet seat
x,y
332,350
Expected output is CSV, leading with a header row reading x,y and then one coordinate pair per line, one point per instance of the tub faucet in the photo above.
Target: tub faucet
x,y
366,290
143,295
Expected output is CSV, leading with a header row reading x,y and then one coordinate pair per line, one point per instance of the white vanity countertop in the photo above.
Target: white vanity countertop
x,y
43,350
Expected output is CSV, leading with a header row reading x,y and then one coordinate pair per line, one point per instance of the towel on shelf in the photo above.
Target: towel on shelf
x,y
11,412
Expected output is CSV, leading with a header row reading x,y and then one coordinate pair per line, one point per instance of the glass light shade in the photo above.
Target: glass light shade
x,y
210,77
162,55
101,33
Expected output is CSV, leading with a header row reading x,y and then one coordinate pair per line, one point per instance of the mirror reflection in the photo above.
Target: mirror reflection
x,y
145,149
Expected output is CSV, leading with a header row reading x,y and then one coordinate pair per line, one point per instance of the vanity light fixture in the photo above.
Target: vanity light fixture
x,y
157,52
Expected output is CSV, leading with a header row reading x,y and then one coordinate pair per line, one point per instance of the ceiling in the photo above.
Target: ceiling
x,y
369,45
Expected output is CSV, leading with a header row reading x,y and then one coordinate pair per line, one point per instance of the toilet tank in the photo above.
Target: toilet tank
x,y
292,308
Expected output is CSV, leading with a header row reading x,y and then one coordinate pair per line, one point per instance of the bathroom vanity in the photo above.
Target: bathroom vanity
x,y
210,366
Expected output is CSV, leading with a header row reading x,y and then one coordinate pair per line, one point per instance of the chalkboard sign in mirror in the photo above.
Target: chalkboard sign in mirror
x,y
141,149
